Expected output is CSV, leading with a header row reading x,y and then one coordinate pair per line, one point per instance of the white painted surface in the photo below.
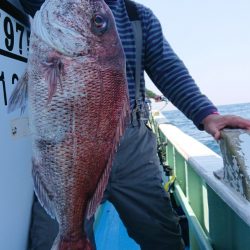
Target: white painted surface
x,y
16,188
204,161
245,152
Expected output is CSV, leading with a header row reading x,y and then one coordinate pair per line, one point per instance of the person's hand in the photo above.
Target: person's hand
x,y
214,123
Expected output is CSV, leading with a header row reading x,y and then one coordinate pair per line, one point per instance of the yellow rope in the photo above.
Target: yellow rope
x,y
169,184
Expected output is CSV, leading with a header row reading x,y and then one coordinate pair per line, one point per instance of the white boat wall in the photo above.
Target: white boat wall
x,y
16,186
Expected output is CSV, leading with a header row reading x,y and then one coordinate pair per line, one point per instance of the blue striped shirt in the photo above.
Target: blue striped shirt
x,y
160,62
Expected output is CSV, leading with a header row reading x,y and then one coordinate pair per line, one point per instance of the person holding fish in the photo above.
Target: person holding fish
x,y
87,114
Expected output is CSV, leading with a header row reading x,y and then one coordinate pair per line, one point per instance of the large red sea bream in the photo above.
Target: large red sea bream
x,y
78,109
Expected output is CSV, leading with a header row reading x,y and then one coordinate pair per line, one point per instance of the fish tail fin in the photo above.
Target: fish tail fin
x,y
19,96
80,244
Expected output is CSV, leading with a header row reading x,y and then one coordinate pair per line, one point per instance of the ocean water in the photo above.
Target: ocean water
x,y
187,126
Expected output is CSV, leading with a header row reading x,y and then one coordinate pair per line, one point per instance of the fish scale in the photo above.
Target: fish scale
x,y
78,109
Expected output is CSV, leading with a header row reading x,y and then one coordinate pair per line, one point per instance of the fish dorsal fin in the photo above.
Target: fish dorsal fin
x,y
19,96
43,194
53,69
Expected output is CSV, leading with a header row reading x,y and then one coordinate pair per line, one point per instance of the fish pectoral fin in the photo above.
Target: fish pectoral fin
x,y
43,194
19,96
53,69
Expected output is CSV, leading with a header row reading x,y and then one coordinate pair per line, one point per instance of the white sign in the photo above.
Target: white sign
x,y
14,44
16,188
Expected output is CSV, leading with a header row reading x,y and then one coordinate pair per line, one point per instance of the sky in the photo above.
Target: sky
x,y
213,40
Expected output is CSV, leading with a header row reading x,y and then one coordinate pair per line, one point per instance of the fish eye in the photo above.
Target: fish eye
x,y
99,24
99,21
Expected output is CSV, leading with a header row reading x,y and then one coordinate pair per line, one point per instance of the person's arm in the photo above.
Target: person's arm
x,y
171,76
31,6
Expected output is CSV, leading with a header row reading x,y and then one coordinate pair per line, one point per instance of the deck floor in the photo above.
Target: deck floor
x,y
110,233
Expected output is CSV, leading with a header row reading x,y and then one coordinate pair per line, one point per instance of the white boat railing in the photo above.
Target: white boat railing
x,y
210,205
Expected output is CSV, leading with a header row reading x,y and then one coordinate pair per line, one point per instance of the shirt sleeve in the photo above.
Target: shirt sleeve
x,y
170,75
31,6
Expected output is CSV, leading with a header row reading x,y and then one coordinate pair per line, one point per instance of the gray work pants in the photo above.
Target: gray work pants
x,y
135,189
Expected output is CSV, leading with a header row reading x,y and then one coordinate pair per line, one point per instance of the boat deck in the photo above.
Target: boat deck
x,y
110,233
